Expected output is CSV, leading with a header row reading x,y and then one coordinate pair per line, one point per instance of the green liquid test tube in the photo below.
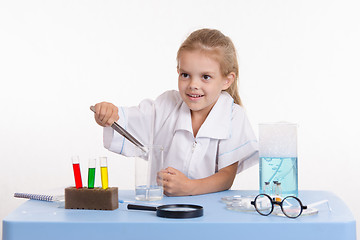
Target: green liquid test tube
x,y
91,173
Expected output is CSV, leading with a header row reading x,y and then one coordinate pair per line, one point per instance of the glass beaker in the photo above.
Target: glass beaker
x,y
148,185
278,159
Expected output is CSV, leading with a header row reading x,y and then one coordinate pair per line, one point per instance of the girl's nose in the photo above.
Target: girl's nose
x,y
194,84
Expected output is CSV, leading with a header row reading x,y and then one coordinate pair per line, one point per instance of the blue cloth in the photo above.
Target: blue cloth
x,y
49,220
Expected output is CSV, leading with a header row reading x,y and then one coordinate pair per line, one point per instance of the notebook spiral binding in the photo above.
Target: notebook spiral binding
x,y
41,197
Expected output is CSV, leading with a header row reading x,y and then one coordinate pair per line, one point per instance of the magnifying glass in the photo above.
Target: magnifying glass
x,y
172,210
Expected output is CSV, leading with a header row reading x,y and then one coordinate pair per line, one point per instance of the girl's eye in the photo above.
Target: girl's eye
x,y
206,77
184,75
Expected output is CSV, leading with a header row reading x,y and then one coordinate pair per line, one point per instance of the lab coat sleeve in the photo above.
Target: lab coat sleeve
x,y
137,121
242,146
112,140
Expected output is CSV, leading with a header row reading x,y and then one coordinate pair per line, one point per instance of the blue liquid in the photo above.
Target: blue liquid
x,y
282,170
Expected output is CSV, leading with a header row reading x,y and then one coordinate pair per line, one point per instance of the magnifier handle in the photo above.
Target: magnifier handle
x,y
141,207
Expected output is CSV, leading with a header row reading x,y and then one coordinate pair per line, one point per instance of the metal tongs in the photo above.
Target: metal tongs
x,y
125,134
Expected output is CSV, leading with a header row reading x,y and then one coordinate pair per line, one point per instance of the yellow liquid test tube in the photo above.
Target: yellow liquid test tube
x,y
104,172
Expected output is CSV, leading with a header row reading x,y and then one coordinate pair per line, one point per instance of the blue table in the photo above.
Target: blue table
x,y
49,220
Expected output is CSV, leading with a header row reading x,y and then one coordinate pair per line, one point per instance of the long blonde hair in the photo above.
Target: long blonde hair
x,y
212,40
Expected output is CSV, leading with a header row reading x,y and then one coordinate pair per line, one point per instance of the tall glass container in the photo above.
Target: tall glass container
x,y
278,164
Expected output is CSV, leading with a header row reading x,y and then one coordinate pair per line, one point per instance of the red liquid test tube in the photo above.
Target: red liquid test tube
x,y
77,173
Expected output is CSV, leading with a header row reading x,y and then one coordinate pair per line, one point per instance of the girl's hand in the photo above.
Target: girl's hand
x,y
106,114
175,183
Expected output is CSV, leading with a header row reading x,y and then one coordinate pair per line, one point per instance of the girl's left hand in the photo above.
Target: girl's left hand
x,y
175,183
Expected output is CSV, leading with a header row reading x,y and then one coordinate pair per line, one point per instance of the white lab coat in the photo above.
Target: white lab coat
x,y
224,138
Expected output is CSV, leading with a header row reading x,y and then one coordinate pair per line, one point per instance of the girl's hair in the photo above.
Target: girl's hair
x,y
222,48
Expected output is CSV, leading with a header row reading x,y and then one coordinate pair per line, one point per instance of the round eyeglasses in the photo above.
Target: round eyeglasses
x,y
291,206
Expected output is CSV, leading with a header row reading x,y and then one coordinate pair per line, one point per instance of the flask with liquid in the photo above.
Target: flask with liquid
x,y
278,159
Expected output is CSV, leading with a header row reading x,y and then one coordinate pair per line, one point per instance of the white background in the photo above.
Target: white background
x,y
299,62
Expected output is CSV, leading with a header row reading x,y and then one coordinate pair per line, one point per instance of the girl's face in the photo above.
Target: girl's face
x,y
200,81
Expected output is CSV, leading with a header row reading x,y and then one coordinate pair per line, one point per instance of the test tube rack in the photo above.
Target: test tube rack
x,y
93,199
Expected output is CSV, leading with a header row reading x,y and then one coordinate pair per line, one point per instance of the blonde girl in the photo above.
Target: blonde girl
x,y
203,128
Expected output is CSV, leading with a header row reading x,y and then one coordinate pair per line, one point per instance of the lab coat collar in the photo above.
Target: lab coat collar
x,y
217,124
184,120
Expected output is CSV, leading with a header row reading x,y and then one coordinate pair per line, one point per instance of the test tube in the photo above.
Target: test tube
x,y
104,172
279,188
277,191
77,173
273,191
91,173
267,188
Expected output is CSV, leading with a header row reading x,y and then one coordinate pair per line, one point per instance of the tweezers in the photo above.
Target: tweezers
x,y
125,134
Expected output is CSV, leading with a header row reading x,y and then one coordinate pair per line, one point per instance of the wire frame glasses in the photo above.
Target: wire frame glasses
x,y
291,206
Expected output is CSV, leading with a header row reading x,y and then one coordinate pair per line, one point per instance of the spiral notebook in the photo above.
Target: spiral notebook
x,y
41,197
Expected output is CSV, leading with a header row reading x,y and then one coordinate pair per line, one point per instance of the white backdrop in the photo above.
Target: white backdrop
x,y
299,62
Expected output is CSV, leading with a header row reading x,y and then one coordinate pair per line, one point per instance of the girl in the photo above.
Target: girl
x,y
205,133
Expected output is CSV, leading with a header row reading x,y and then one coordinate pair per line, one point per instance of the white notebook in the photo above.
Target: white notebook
x,y
41,197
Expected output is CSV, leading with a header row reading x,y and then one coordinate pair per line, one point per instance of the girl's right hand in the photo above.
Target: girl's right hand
x,y
106,114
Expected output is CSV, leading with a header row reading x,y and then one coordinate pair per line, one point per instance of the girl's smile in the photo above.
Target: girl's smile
x,y
194,97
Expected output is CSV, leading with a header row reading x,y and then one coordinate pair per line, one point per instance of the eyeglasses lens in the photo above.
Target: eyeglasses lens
x,y
291,207
263,204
